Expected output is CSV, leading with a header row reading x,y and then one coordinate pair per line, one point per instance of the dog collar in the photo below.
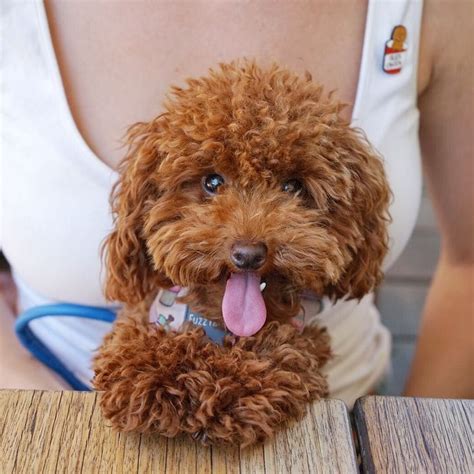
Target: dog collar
x,y
166,312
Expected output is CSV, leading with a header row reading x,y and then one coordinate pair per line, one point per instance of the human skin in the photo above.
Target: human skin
x,y
444,358
167,41
18,369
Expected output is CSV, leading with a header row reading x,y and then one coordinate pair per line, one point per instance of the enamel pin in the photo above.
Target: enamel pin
x,y
395,51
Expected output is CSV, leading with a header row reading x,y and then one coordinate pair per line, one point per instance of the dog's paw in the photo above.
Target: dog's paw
x,y
239,393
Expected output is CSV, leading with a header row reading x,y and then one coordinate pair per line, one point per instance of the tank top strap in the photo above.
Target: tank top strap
x,y
389,62
23,54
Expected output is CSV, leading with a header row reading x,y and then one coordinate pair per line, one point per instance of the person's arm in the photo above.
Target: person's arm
x,y
444,359
18,369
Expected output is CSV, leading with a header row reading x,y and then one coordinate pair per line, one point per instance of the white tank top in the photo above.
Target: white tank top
x,y
54,190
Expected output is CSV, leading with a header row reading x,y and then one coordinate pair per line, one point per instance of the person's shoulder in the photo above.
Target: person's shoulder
x,y
446,39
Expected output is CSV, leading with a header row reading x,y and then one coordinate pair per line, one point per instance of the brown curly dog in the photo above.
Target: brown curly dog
x,y
249,176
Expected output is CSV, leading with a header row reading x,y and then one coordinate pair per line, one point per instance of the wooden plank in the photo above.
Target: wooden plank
x,y
399,435
152,456
64,432
320,443
185,456
252,460
15,417
225,460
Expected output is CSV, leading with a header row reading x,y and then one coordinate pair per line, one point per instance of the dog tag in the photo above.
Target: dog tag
x,y
165,311
168,297
395,51
213,330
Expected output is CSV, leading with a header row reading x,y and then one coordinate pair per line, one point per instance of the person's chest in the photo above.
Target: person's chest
x,y
118,60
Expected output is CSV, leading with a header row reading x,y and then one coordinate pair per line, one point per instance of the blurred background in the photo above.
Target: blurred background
x,y
401,298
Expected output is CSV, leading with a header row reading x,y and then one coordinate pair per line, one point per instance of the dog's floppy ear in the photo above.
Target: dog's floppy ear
x,y
364,219
130,274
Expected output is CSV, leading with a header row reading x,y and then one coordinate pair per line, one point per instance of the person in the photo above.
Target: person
x,y
77,74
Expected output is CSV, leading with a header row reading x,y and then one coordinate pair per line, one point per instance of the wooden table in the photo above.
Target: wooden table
x,y
63,432
419,435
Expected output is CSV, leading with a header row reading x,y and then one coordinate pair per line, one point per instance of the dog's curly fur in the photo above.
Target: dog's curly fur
x,y
257,127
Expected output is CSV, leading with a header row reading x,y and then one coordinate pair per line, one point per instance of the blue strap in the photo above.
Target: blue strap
x,y
41,351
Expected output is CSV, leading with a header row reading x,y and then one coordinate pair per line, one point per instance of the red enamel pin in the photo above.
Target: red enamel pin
x,y
395,51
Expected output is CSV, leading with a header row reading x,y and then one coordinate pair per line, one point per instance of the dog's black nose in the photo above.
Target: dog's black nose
x,y
248,256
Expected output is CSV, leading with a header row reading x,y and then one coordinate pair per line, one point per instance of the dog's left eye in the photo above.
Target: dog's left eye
x,y
211,183
292,186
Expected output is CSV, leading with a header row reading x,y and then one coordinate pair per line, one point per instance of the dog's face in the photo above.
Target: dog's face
x,y
249,177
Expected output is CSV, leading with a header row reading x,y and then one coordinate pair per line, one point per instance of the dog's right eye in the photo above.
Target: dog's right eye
x,y
292,186
211,183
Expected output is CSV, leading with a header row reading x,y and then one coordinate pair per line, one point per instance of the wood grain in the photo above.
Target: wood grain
x,y
63,432
310,446
399,435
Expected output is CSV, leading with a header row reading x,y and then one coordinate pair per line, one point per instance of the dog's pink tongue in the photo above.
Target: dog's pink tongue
x,y
243,307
